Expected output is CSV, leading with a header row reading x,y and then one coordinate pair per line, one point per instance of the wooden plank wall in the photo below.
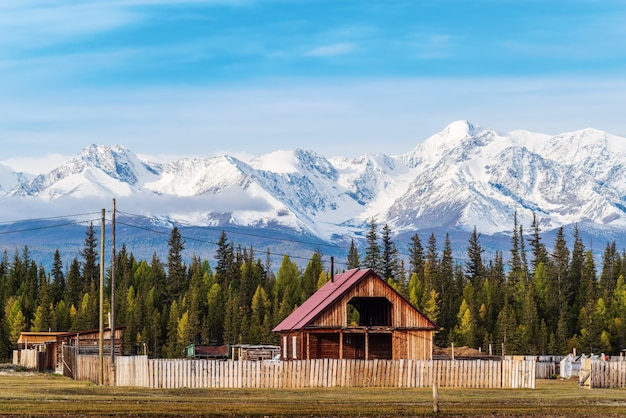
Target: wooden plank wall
x,y
179,373
604,374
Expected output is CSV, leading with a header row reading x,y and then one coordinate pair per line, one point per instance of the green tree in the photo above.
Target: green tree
x,y
372,259
90,265
538,249
260,321
464,333
389,258
286,289
15,319
353,257
474,267
416,256
58,278
176,271
311,275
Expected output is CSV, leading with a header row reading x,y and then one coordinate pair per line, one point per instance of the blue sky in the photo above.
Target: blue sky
x,y
340,77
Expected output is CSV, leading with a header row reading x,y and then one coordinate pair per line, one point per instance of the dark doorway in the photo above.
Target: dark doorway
x,y
372,312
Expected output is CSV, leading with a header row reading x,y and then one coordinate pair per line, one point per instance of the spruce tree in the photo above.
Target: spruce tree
x,y
372,258
176,271
538,249
353,257
58,278
416,256
389,258
474,268
90,267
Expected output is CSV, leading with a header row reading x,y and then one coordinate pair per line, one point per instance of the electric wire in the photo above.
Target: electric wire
x,y
129,217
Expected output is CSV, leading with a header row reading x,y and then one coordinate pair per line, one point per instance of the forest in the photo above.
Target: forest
x,y
538,301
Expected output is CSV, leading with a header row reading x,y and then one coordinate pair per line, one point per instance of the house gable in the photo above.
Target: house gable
x,y
327,308
386,325
373,291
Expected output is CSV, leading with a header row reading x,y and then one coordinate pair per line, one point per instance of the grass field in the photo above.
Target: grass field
x,y
28,394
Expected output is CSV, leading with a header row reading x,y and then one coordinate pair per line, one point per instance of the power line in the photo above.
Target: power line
x,y
49,218
204,241
45,227
250,234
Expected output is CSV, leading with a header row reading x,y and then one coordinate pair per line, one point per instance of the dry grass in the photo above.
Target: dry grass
x,y
27,394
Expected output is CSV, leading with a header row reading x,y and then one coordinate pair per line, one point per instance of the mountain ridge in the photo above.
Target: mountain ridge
x,y
463,177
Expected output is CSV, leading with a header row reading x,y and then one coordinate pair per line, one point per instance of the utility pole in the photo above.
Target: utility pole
x,y
101,343
112,324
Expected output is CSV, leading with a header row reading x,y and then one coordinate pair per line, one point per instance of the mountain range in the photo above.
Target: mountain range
x,y
463,177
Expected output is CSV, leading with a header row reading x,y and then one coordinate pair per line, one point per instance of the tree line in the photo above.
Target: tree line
x,y
538,301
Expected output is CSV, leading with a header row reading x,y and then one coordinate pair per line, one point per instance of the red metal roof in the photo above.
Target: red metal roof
x,y
320,300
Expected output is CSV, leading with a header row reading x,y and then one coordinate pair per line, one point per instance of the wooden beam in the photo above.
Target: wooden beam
x,y
340,344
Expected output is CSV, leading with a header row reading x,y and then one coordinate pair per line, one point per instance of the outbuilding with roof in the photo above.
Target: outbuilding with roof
x,y
356,315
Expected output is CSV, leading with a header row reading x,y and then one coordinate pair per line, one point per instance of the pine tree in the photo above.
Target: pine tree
x,y
538,249
259,323
389,259
416,256
172,348
176,271
464,333
215,314
575,275
353,257
15,319
58,279
474,267
287,289
311,275
558,274
372,258
610,269
225,256
515,263
90,270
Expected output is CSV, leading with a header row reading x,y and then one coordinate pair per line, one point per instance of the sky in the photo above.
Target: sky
x,y
340,77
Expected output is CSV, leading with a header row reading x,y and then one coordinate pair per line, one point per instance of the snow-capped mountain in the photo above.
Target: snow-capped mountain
x,y
464,176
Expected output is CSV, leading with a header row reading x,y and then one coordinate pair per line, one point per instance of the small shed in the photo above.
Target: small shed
x,y
37,350
356,315
212,352
255,352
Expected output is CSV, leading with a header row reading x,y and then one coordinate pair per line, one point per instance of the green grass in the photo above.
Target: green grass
x,y
25,394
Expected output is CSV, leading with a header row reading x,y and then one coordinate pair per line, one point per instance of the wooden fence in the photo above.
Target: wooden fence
x,y
602,374
31,359
179,373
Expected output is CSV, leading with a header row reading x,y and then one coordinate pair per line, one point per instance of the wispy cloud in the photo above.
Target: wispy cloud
x,y
36,164
330,117
332,50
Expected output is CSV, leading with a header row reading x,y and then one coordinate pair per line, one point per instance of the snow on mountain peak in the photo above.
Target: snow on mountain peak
x,y
464,175
281,161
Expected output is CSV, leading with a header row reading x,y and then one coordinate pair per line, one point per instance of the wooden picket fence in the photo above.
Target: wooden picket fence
x,y
602,374
179,373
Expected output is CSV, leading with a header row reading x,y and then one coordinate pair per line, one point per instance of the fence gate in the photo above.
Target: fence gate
x,y
68,357
584,375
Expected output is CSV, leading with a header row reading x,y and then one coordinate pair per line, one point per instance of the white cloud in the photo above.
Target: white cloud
x,y
36,164
330,117
331,50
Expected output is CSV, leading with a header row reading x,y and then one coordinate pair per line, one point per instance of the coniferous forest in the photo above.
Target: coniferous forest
x,y
538,301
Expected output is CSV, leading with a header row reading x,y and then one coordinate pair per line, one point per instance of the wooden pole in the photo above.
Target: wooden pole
x,y
435,398
112,322
101,339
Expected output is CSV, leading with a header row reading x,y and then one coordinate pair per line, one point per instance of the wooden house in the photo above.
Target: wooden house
x,y
356,315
